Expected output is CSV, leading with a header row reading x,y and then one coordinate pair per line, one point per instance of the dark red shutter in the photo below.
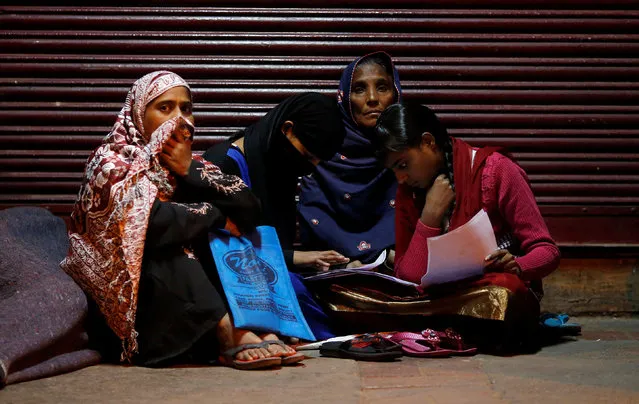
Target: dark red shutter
x,y
555,81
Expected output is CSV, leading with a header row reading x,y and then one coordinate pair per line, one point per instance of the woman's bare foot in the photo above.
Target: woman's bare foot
x,y
293,340
288,355
230,337
276,349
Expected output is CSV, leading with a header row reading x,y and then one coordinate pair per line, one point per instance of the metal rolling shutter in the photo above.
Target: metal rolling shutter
x,y
556,82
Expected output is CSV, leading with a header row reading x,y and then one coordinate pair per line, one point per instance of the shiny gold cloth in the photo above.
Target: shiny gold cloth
x,y
485,302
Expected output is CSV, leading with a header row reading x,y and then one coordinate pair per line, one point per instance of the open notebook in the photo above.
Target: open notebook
x,y
454,256
364,270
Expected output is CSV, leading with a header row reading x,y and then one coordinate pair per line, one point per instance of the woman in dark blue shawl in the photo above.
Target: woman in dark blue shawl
x,y
348,203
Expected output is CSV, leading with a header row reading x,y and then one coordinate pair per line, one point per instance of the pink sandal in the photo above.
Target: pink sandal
x,y
417,345
451,341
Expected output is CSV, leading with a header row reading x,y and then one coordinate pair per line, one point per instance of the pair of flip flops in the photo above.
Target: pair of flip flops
x,y
432,344
366,347
559,322
228,357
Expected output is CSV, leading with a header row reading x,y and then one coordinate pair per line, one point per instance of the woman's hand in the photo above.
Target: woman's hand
x,y
438,200
354,264
390,258
176,154
320,260
502,261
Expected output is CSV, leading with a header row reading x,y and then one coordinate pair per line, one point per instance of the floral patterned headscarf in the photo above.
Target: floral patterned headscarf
x,y
122,179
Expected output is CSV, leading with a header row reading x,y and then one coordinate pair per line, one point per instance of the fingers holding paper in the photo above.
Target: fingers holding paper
x,y
354,264
320,260
502,261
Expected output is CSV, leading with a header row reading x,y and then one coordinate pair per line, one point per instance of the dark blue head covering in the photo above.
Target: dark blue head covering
x,y
348,204
344,90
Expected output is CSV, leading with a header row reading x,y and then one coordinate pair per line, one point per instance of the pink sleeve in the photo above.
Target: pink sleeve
x,y
411,266
517,206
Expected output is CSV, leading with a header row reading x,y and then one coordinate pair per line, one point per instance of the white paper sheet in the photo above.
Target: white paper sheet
x,y
338,273
363,270
379,261
460,254
333,272
318,344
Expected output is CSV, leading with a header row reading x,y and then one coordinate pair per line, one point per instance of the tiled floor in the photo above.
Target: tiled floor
x,y
602,366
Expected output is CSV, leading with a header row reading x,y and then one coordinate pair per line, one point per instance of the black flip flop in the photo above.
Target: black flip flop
x,y
368,347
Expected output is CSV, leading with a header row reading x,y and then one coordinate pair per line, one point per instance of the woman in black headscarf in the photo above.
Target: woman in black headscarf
x,y
270,156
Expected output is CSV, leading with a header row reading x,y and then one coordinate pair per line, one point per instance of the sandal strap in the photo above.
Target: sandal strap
x,y
454,338
449,337
281,343
452,334
432,337
231,352
275,341
374,342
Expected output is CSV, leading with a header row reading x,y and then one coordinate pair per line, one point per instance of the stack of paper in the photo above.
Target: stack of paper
x,y
460,254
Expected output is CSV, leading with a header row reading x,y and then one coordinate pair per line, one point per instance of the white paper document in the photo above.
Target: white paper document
x,y
332,273
460,254
318,344
379,261
364,270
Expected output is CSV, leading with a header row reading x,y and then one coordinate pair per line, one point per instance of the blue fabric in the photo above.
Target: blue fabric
x,y
348,204
315,316
255,279
239,158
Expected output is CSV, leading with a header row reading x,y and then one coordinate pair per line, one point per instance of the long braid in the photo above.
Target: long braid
x,y
447,148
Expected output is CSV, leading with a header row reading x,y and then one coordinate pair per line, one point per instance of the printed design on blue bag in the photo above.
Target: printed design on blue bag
x,y
258,288
267,304
250,269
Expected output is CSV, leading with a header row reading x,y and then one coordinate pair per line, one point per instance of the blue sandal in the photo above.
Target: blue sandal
x,y
559,322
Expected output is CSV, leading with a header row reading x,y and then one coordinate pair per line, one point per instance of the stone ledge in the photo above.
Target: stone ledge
x,y
593,286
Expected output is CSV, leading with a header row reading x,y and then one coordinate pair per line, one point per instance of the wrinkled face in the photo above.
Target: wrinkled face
x,y
174,102
371,92
416,167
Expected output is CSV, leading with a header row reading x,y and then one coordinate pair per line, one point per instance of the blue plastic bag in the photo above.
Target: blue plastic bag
x,y
257,284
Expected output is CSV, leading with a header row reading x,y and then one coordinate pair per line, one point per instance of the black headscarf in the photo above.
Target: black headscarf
x,y
316,120
274,165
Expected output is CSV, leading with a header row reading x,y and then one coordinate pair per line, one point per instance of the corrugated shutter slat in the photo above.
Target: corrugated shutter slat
x,y
554,81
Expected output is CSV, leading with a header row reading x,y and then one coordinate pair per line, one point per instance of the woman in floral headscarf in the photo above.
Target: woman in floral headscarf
x,y
138,237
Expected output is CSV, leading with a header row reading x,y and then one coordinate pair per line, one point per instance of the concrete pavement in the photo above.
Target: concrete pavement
x,y
601,366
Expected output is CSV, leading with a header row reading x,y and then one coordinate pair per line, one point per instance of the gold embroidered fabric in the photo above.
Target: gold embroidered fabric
x,y
486,302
